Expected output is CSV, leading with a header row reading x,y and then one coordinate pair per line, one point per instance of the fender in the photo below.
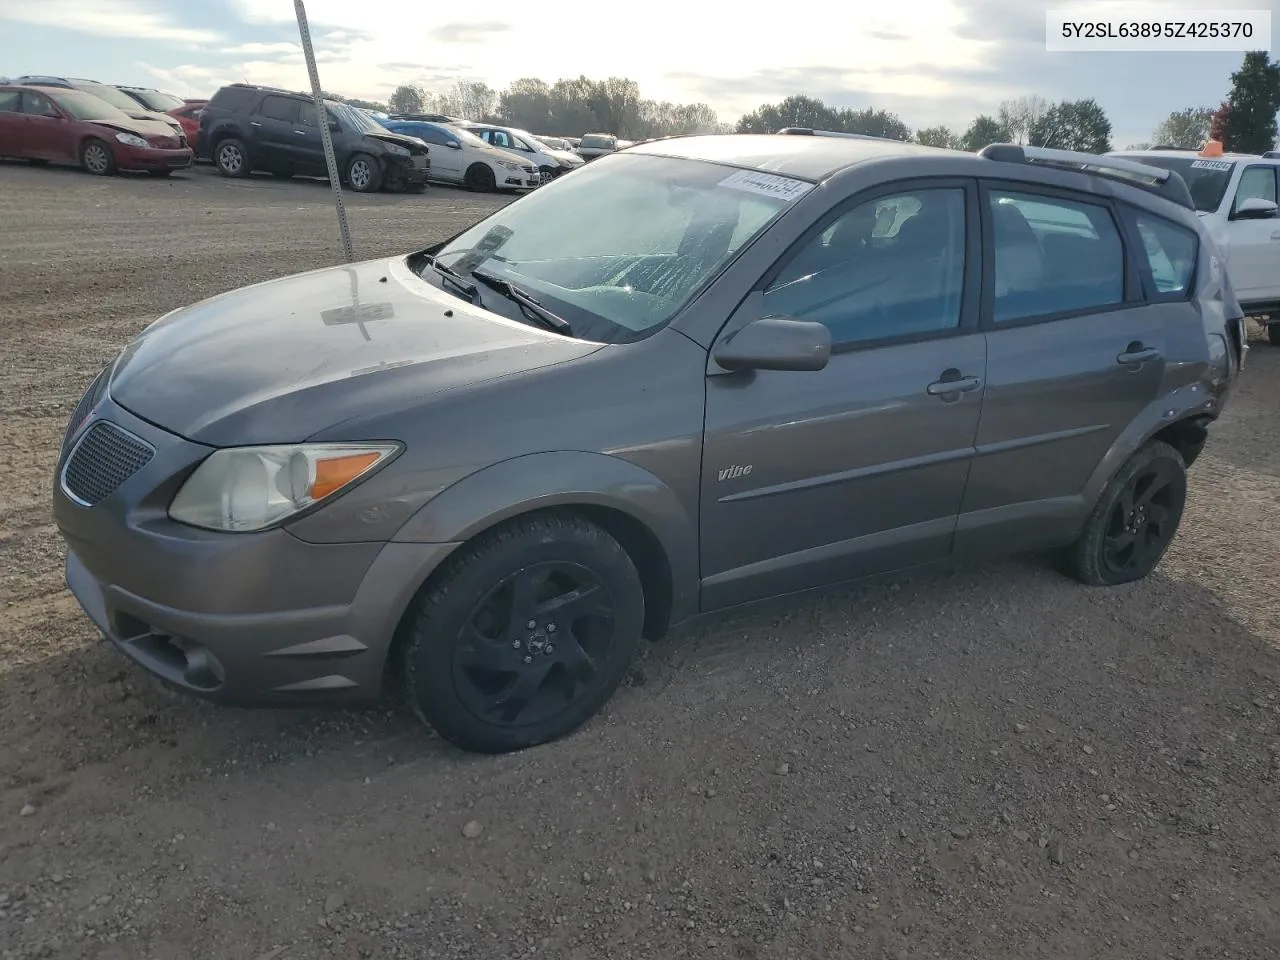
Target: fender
x,y
1187,402
566,478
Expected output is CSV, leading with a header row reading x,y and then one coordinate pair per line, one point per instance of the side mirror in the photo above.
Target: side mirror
x,y
1256,208
454,145
776,343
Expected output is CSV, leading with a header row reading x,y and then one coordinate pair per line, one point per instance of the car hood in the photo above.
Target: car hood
x,y
143,127
415,144
280,361
564,156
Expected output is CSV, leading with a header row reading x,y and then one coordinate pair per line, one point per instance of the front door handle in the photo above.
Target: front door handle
x,y
1275,234
1136,354
301,133
254,123
945,387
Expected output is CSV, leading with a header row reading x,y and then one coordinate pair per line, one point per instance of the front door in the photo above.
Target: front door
x,y
815,477
48,133
1253,253
1074,355
13,125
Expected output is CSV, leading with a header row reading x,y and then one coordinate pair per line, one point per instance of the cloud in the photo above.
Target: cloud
x,y
469,32
256,49
104,18
888,35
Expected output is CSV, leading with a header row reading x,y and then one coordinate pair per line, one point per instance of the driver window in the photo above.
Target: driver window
x,y
9,101
1256,182
888,267
38,105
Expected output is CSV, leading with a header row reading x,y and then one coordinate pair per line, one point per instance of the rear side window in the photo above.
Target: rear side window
x,y
1053,256
233,98
279,108
1170,251
424,131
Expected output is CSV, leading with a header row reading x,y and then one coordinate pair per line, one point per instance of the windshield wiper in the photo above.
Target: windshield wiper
x,y
529,306
470,290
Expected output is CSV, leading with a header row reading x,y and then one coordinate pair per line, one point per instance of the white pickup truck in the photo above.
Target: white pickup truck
x,y
1236,195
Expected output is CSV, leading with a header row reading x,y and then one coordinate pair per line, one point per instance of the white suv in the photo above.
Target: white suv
x,y
549,161
1235,195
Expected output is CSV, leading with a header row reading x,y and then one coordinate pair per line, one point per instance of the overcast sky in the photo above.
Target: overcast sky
x,y
931,61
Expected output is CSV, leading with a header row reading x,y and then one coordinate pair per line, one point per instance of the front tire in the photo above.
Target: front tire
x,y
525,635
364,174
480,178
1273,333
231,157
1134,520
96,157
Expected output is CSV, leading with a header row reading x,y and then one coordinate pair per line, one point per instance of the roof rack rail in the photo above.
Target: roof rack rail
x,y
810,132
1157,180
1271,155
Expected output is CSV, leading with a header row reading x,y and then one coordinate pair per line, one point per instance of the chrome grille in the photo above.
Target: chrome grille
x,y
105,457
81,411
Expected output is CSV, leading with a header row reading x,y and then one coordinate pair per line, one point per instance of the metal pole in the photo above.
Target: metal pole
x,y
322,119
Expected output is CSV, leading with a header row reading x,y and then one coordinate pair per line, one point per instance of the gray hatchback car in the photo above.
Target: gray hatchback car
x,y
754,365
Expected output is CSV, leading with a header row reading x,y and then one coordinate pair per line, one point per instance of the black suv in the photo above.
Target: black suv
x,y
246,128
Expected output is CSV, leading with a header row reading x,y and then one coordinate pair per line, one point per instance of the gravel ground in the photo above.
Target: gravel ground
x,y
983,763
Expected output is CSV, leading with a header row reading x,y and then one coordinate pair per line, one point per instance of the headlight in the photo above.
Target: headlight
x,y
248,488
132,140
508,164
396,150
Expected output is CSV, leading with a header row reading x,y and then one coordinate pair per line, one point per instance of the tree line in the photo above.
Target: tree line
x,y
1245,121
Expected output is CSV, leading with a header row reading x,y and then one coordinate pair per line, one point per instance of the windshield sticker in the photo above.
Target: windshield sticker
x,y
767,185
1210,165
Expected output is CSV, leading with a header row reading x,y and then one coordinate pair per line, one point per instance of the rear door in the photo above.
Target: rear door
x,y
273,124
1074,354
1253,252
446,161
858,468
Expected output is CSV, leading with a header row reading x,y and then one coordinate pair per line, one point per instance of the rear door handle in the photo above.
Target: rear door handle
x,y
942,388
301,133
254,123
1275,234
1136,355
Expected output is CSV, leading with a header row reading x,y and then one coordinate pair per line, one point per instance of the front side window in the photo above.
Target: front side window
x,y
10,101
1170,251
1053,256
889,267
1256,183
648,233
38,105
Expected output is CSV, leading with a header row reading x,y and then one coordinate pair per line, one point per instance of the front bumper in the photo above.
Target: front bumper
x,y
411,171
151,158
249,619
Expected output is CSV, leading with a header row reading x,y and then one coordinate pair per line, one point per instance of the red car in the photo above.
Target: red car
x,y
189,116
58,125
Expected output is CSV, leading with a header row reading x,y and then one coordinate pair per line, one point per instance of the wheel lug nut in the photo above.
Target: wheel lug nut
x,y
551,628
532,624
528,659
549,649
515,644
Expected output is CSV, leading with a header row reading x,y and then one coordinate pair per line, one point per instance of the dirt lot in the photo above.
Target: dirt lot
x,y
989,763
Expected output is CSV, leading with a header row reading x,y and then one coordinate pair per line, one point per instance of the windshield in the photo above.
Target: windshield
x,y
352,119
85,106
648,233
1206,179
596,142
117,98
160,102
553,143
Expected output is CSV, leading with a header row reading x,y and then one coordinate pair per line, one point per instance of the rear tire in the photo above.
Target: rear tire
x,y
1134,520
1273,334
525,634
480,178
364,174
96,157
231,157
